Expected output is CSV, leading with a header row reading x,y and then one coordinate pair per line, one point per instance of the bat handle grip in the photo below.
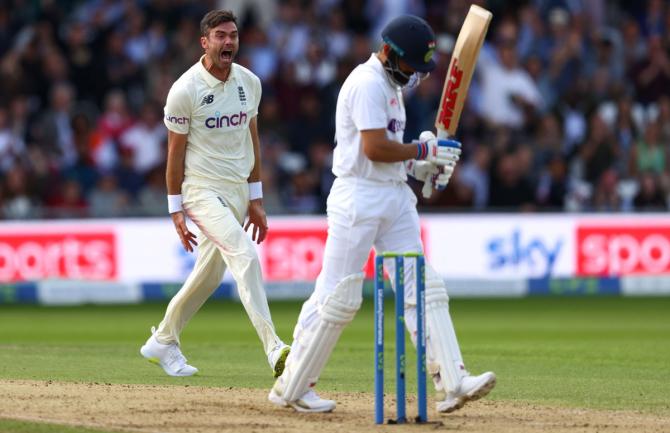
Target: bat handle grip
x,y
442,133
427,189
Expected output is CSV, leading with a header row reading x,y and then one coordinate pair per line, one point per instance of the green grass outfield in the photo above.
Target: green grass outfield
x,y
604,353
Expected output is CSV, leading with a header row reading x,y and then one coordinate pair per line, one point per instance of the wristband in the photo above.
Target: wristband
x,y
421,150
174,203
255,190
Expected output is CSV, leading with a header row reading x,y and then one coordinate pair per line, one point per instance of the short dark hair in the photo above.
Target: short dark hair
x,y
214,18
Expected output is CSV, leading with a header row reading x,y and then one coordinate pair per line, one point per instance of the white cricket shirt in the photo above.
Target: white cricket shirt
x,y
367,100
216,116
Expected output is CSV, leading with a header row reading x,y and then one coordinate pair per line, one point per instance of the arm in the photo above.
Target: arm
x,y
378,148
257,216
255,175
174,176
367,109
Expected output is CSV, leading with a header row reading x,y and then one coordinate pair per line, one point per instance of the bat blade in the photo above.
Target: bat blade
x,y
462,65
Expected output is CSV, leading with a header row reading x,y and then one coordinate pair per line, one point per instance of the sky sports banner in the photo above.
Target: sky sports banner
x,y
489,247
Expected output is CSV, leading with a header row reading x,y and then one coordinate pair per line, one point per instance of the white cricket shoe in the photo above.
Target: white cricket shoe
x,y
277,358
472,388
168,356
309,402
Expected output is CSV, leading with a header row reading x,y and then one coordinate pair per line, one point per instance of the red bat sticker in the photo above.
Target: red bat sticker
x,y
451,94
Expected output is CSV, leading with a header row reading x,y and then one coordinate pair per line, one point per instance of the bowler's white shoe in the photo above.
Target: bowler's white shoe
x,y
472,388
309,402
277,358
168,356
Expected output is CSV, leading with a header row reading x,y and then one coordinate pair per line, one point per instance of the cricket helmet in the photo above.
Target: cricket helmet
x,y
412,39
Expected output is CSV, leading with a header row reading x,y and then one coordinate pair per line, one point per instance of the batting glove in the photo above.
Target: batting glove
x,y
439,151
421,170
438,178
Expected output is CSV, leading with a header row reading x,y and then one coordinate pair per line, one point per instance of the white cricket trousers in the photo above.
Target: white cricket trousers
x,y
363,214
219,213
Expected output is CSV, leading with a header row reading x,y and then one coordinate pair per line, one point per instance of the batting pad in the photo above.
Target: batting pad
x,y
318,339
441,336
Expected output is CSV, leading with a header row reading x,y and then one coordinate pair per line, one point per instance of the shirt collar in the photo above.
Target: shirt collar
x,y
375,63
210,79
378,66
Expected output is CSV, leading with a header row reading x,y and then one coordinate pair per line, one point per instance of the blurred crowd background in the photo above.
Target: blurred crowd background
x,y
569,109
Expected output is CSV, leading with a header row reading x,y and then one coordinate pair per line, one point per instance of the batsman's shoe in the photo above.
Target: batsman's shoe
x,y
309,402
277,358
168,356
472,388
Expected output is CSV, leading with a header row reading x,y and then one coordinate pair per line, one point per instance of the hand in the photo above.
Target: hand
x,y
439,151
436,181
187,238
421,170
439,177
258,219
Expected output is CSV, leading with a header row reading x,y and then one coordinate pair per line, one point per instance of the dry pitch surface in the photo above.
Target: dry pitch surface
x,y
143,408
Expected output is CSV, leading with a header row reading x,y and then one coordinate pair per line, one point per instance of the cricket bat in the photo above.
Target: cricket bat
x,y
462,66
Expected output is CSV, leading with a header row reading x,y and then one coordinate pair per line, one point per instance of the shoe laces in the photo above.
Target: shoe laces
x,y
310,395
174,357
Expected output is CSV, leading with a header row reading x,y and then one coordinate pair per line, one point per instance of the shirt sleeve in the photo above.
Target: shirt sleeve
x,y
368,106
258,92
178,110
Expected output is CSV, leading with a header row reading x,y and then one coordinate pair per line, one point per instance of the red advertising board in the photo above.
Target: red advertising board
x,y
293,253
29,255
623,249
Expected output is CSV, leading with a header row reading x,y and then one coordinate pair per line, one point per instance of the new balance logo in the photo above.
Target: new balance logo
x,y
207,100
240,93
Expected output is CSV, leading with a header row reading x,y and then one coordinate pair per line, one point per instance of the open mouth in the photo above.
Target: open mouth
x,y
227,55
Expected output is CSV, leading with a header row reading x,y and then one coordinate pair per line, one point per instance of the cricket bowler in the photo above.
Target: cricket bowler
x,y
213,177
371,205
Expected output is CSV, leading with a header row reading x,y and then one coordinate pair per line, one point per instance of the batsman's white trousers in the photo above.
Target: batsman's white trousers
x,y
363,214
219,213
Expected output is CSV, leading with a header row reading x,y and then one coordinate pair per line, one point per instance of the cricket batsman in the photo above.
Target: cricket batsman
x,y
213,176
371,205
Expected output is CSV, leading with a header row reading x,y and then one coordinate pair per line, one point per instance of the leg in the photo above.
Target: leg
x,y
221,225
200,284
315,341
240,255
333,304
444,358
162,347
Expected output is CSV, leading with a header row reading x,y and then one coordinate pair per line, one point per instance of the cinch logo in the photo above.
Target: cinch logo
x,y
622,250
175,119
396,125
226,120
89,255
451,94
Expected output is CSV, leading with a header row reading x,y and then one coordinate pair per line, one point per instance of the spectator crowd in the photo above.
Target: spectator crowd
x,y
569,109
